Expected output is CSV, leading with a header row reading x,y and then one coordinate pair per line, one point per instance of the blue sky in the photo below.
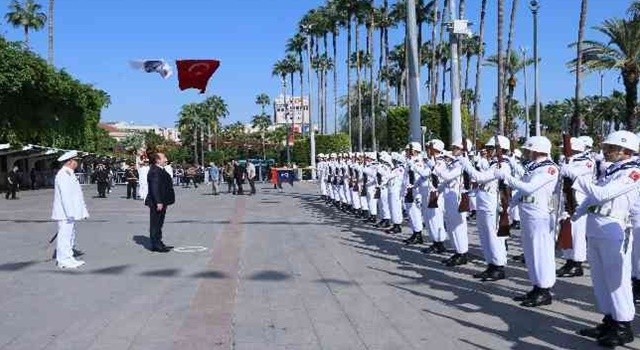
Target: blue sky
x,y
95,40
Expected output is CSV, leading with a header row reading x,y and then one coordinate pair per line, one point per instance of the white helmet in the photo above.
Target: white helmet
x,y
538,144
458,143
370,155
332,155
414,146
517,153
577,144
624,139
587,141
437,145
504,142
385,158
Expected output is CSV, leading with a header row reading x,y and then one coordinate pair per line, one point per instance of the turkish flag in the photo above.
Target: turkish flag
x,y
196,73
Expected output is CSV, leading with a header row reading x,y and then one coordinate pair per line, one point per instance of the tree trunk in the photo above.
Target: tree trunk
x,y
433,85
510,70
476,92
372,85
335,83
202,147
209,137
349,83
26,36
324,86
50,22
386,64
444,79
500,68
576,119
301,73
195,144
358,66
630,79
467,71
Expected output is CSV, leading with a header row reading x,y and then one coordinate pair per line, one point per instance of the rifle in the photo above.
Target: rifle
x,y
565,240
463,207
433,195
504,196
408,198
379,182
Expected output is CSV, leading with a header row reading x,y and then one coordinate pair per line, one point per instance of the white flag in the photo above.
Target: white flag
x,y
151,66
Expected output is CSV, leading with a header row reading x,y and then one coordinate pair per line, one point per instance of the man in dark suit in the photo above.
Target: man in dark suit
x,y
160,196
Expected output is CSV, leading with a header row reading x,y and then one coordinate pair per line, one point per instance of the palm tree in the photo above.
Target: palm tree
x,y
214,108
333,19
260,122
620,51
296,45
348,9
263,101
480,58
576,120
190,122
469,47
28,16
50,20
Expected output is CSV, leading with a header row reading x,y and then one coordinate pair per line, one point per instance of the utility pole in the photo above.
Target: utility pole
x,y
415,131
456,28
312,133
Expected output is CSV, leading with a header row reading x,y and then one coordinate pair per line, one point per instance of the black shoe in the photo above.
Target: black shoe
x,y
542,297
394,230
386,223
160,249
456,260
484,273
570,269
435,248
526,296
618,334
495,275
518,258
77,253
416,238
598,331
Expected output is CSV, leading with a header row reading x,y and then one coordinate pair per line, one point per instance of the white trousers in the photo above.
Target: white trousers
x,y
363,202
434,219
611,277
395,206
472,200
65,241
355,200
415,214
578,241
538,244
372,203
143,191
323,187
493,247
385,213
343,188
456,222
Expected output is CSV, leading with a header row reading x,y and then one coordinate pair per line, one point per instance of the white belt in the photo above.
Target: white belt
x,y
528,199
607,212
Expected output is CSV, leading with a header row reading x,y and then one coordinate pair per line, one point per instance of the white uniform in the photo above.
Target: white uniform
x,y
384,171
409,189
607,205
142,184
68,207
395,190
434,217
454,220
534,195
371,171
579,166
493,247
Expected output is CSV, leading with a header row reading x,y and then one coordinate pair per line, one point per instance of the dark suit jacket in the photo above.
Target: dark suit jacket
x,y
160,187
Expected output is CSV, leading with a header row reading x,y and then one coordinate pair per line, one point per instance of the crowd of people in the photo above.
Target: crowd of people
x,y
587,202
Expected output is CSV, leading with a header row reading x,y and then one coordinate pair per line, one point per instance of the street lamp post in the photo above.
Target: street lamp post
x,y
534,6
312,132
414,73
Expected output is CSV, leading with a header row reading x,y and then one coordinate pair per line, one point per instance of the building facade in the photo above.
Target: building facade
x,y
286,107
120,130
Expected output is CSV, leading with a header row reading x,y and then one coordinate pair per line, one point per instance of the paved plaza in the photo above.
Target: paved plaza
x,y
280,271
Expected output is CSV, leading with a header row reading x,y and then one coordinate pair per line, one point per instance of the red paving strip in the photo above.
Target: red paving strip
x,y
208,324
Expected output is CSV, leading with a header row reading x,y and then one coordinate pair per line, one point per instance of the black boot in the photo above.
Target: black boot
x,y
386,223
456,260
482,275
395,229
599,330
372,219
528,295
542,297
435,248
518,258
565,269
416,238
618,334
495,275
365,215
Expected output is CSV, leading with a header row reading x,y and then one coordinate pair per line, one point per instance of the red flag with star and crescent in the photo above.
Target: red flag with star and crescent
x,y
195,73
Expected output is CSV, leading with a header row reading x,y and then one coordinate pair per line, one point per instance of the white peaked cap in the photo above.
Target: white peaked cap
x,y
68,155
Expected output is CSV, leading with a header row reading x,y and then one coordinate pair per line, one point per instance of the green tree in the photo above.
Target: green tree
x,y
263,101
27,15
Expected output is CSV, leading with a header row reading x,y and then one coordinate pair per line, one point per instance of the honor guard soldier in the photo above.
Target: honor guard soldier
x,y
580,164
395,182
534,195
493,247
411,195
382,177
455,220
607,205
433,203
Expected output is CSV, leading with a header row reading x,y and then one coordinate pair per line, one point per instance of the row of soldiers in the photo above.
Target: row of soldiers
x,y
593,196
